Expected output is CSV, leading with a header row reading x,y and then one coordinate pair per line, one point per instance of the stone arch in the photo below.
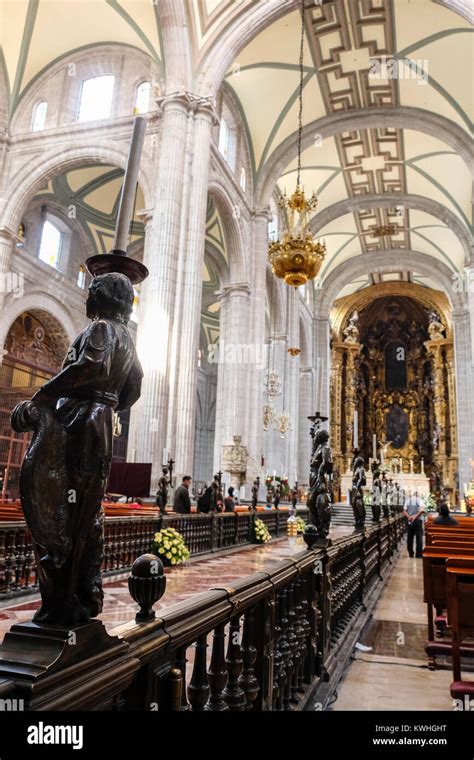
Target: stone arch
x,y
51,310
234,239
28,181
384,262
391,200
398,117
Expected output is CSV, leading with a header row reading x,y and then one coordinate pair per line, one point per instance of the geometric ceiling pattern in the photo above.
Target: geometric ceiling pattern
x,y
432,48
92,193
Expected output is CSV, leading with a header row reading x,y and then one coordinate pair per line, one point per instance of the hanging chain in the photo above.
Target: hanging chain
x,y
300,113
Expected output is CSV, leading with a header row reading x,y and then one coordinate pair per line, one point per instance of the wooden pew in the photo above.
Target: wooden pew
x,y
460,587
434,577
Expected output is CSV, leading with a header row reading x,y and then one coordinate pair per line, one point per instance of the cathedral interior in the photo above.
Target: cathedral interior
x,y
236,345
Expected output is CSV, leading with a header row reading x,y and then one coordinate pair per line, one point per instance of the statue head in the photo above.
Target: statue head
x,y
321,437
358,462
110,296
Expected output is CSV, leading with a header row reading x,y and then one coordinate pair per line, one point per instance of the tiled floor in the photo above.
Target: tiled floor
x,y
394,675
183,581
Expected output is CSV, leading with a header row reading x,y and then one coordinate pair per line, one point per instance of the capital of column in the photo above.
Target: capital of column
x,y
190,103
145,215
235,288
261,214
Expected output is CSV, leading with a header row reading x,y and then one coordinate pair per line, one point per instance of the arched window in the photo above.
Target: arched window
x,y
142,99
273,222
227,141
81,277
50,247
39,116
243,178
96,98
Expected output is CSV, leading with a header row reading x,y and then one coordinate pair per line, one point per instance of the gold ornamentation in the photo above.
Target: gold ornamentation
x,y
294,351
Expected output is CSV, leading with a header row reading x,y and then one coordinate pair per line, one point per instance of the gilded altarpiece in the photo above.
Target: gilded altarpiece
x,y
393,364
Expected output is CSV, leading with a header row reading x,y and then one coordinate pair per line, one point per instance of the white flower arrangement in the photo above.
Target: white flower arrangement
x,y
169,545
429,502
261,532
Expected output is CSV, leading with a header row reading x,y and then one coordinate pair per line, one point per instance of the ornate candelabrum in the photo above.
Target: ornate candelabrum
x,y
320,485
234,461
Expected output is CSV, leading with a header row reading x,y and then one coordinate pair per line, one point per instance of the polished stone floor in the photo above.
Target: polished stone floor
x,y
182,582
394,674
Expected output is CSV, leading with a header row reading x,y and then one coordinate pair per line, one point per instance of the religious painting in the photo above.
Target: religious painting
x,y
395,366
396,426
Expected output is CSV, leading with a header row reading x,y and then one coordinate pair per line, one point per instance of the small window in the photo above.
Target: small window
x,y
39,116
224,136
273,227
50,248
96,98
81,277
142,100
243,178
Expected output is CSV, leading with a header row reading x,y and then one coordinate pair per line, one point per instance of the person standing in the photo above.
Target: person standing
x,y
229,503
182,500
414,511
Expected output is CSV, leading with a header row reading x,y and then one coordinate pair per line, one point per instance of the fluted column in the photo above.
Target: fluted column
x,y
464,392
322,352
274,445
292,386
256,333
235,357
171,296
306,408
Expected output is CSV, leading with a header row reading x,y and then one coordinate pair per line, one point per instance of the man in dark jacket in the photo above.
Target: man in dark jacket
x,y
444,517
182,501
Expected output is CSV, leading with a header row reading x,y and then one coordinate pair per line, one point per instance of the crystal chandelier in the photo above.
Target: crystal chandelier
x,y
283,424
297,257
272,384
268,416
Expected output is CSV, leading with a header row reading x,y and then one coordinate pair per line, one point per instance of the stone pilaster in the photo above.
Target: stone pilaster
x,y
464,393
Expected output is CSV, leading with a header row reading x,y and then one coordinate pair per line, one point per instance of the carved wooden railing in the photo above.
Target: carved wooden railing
x,y
271,641
126,538
274,640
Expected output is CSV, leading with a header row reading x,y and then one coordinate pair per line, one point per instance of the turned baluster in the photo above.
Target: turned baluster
x,y
9,560
302,608
284,649
198,689
2,561
293,642
29,559
277,692
300,639
248,680
112,547
20,559
119,564
181,662
233,693
288,640
217,673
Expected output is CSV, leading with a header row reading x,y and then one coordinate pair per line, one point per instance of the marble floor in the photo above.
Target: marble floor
x,y
183,581
394,674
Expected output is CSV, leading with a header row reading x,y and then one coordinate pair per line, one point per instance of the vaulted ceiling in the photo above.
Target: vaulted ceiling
x,y
433,50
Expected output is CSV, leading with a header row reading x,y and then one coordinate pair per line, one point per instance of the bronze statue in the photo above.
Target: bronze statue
x,y
376,496
66,466
357,497
319,499
255,487
162,495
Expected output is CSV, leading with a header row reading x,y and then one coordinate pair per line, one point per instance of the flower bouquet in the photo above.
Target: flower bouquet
x,y
429,503
300,525
261,533
169,545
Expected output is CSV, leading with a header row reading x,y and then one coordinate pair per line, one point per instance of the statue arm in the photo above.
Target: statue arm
x,y
130,392
90,367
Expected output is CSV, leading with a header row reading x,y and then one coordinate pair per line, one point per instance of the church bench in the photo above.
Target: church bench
x,y
460,587
434,578
453,533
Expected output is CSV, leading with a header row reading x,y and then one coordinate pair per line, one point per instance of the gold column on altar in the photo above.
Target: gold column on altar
x,y
435,349
336,405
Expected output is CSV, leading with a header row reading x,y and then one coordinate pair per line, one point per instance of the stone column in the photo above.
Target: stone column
x,y
321,351
336,406
7,243
232,397
306,408
464,392
292,385
274,445
171,296
256,336
187,312
451,376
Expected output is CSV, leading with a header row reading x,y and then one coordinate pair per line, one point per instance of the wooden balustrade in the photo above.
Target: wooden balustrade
x,y
126,538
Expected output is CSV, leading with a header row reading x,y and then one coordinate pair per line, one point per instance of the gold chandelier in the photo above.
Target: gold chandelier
x,y
297,257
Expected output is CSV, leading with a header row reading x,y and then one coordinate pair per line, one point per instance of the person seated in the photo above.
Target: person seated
x,y
444,518
229,503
